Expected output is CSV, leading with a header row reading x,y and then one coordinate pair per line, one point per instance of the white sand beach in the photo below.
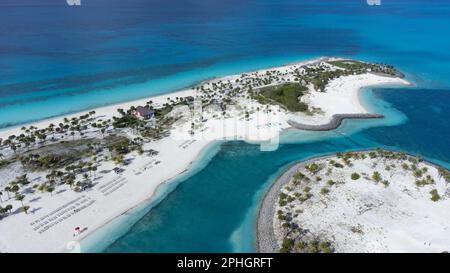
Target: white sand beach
x,y
50,224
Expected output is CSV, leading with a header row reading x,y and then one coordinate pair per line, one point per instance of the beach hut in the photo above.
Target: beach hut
x,y
144,112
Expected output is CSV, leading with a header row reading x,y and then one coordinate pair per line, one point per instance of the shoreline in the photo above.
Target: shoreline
x,y
114,209
186,91
180,91
265,236
150,202
266,241
144,206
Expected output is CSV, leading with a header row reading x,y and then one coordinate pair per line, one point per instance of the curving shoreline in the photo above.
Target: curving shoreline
x,y
265,237
173,154
266,241
335,121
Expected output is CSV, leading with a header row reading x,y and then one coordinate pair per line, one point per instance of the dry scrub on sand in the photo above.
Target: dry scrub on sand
x,y
370,201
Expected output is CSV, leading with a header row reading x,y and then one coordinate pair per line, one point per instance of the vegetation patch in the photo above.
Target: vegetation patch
x,y
57,155
4,163
323,176
435,195
362,67
288,95
355,176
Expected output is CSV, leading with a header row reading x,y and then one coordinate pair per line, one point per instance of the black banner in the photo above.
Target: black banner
x,y
226,262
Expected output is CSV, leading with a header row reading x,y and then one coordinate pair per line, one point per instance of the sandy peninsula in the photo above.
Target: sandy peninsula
x,y
51,208
365,201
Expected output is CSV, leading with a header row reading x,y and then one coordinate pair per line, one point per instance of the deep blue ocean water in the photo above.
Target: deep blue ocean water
x,y
56,59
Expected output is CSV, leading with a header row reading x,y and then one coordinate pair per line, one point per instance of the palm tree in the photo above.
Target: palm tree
x,y
42,137
13,147
25,209
121,111
23,180
51,129
15,188
20,198
6,209
90,168
50,189
70,181
94,169
50,175
2,212
9,208
7,189
41,188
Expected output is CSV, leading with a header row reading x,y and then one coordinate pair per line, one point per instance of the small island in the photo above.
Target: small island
x,y
364,201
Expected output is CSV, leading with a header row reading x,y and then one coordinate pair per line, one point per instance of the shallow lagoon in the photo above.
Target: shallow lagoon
x,y
215,209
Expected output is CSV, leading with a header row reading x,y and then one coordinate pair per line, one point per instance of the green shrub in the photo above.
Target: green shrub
x,y
325,247
286,245
435,195
313,247
355,176
376,176
284,250
300,245
312,168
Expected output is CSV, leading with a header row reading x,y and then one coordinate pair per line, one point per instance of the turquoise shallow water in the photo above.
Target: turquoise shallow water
x,y
214,210
55,59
